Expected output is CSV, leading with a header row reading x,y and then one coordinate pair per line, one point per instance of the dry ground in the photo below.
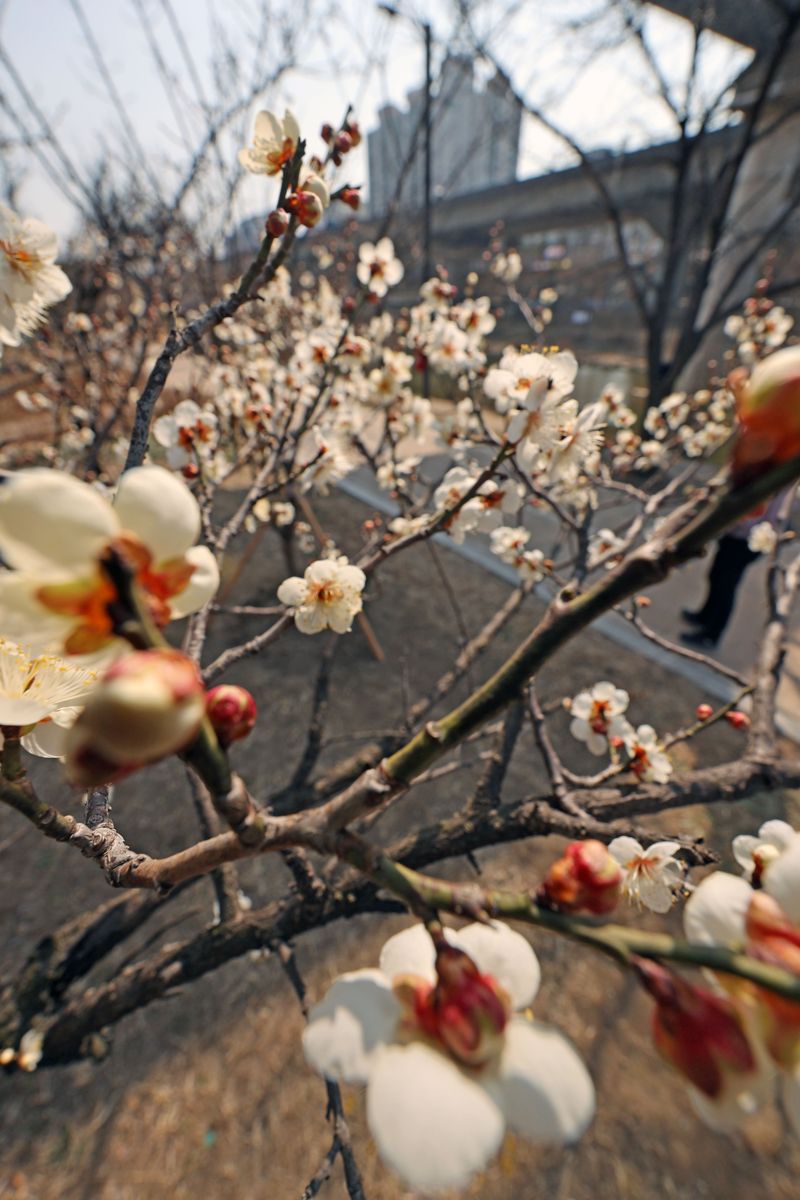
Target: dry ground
x,y
207,1093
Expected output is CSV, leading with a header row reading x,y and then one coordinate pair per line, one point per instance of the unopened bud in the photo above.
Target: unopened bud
x,y
277,223
354,130
698,1032
351,197
307,207
703,712
343,143
326,133
148,705
466,1011
190,471
586,879
232,711
737,719
768,408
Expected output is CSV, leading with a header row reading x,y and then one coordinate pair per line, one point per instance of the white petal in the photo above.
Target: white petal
x,y
500,951
744,845
777,833
357,1017
202,585
49,519
655,893
625,849
782,880
432,1124
47,740
292,592
311,619
715,911
663,850
23,618
541,1084
409,952
158,507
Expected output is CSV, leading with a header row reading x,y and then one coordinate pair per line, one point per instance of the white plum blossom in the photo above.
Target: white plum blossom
x,y
602,546
526,381
647,759
274,144
509,545
378,267
762,538
650,877
53,530
30,281
448,1065
507,267
327,597
41,694
597,716
755,852
187,432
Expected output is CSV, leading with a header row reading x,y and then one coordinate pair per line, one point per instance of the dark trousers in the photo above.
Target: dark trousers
x,y
731,560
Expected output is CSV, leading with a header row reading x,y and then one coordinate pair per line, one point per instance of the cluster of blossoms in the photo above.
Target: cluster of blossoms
x,y
761,327
598,720
30,281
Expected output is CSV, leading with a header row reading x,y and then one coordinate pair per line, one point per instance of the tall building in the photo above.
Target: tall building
x,y
475,141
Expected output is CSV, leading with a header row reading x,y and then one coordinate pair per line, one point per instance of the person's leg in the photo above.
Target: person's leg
x,y
731,560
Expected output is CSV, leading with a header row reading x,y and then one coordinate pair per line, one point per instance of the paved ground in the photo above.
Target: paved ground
x,y
685,588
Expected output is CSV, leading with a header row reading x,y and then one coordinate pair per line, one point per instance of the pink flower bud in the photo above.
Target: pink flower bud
x,y
586,879
343,142
148,705
700,1033
232,711
277,223
738,720
703,712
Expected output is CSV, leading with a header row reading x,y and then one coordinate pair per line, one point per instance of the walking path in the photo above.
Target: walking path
x,y
684,588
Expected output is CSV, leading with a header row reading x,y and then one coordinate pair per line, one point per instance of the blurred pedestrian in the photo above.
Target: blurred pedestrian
x,y
733,556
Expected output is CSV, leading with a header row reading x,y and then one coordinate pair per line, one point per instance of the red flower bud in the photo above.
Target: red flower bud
x,y
326,133
703,712
737,719
354,130
190,471
586,879
351,197
700,1033
343,142
232,711
277,223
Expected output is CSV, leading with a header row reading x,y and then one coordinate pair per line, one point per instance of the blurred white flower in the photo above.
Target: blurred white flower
x,y
647,759
53,529
447,1063
30,281
762,538
378,267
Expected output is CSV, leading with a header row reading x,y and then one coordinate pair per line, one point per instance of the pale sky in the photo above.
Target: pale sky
x,y
350,52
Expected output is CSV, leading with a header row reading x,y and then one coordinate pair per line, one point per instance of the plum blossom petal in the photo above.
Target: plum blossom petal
x,y
48,739
542,1085
409,952
715,911
773,835
782,880
500,951
432,1123
356,1019
158,507
50,519
202,585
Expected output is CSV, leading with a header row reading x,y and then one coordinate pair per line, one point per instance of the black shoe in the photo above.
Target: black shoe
x,y
693,618
699,640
